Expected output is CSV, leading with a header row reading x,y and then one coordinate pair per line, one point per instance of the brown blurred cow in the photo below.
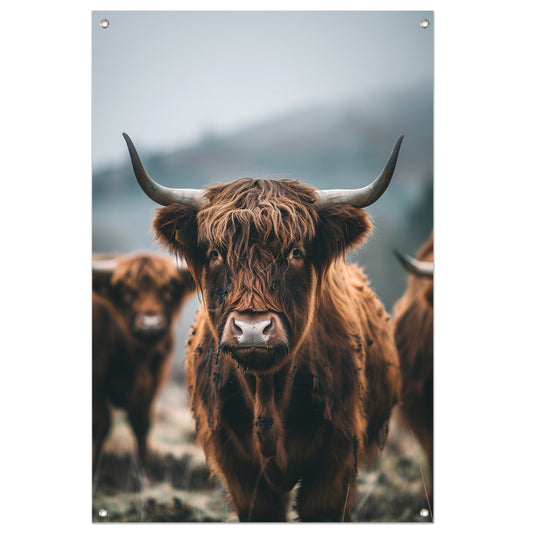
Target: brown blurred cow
x,y
136,301
291,367
413,332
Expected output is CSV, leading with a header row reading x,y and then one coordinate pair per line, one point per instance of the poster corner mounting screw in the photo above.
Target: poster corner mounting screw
x,y
104,23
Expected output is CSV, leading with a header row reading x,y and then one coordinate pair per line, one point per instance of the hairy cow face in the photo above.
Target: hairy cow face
x,y
147,290
259,251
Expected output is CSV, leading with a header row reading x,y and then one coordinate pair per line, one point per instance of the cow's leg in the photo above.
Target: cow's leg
x,y
139,410
101,425
254,499
139,418
328,489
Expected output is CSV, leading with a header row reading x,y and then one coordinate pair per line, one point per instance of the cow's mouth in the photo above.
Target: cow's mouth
x,y
256,358
149,335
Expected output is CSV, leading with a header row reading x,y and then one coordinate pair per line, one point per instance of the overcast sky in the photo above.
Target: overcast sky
x,y
168,78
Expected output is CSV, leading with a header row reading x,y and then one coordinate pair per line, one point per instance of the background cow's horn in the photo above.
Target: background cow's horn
x,y
161,195
369,194
419,268
180,262
104,265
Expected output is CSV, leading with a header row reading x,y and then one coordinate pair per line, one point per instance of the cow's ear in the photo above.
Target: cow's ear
x,y
176,228
340,227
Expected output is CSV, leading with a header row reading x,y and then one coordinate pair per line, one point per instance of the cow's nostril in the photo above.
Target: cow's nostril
x,y
236,331
269,329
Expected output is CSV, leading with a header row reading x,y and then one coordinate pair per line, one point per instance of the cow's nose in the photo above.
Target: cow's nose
x,y
150,321
252,330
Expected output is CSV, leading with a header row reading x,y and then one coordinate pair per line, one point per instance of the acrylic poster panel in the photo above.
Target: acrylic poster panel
x,y
214,96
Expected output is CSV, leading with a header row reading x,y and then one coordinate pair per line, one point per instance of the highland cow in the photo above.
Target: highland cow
x,y
136,301
291,365
413,332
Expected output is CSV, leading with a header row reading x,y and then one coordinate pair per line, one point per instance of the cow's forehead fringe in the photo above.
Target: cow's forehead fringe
x,y
262,211
137,271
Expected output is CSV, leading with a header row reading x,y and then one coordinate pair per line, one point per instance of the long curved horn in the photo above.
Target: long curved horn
x,y
369,194
158,193
179,262
416,267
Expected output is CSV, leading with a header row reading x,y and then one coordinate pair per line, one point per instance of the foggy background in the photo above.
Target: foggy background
x,y
213,96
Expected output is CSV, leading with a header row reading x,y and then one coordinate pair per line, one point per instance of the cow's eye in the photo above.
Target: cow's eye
x,y
127,295
296,252
214,254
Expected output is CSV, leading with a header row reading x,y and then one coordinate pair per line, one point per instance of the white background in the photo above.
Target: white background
x,y
483,287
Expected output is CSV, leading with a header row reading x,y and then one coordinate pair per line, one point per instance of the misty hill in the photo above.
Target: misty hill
x,y
329,146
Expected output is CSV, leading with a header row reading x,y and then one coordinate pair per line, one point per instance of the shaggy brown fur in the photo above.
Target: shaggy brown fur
x,y
413,332
270,246
130,362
